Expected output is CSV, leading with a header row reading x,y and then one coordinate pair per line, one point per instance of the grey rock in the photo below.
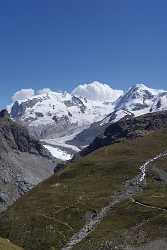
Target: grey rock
x,y
24,162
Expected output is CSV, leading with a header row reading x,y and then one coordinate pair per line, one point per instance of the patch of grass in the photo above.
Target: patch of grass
x,y
7,245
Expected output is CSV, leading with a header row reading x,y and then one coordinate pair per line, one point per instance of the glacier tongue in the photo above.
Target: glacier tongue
x,y
58,153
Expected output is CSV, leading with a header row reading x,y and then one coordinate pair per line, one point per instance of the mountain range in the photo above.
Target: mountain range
x,y
112,198
67,122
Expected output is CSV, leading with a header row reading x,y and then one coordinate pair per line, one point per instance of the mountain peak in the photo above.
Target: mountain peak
x,y
140,86
143,87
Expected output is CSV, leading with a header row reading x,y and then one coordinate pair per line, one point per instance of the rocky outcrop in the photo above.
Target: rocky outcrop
x,y
24,162
128,128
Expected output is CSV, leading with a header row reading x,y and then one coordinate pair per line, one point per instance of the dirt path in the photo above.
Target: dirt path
x,y
124,195
148,206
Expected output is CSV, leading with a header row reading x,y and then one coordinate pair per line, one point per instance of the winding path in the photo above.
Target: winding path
x,y
124,195
148,206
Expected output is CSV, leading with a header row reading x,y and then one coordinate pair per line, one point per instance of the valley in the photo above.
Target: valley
x,y
85,170
96,190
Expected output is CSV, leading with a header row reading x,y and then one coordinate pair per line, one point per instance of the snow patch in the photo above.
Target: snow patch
x,y
57,153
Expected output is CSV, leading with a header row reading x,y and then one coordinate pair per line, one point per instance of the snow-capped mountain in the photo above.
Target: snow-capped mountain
x,y
60,117
138,100
53,115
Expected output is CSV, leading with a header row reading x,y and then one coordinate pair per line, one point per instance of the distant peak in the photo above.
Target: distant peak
x,y
140,86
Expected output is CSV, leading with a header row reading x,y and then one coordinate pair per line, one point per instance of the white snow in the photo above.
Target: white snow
x,y
99,100
57,153
160,102
142,87
138,100
62,141
62,105
63,144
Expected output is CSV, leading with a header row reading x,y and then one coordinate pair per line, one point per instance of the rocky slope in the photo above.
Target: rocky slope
x,y
114,198
128,127
24,162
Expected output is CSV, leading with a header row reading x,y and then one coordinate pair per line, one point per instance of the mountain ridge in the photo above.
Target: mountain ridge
x,y
57,116
128,127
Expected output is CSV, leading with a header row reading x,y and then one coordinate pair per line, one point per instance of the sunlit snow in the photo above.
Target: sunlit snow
x,y
58,153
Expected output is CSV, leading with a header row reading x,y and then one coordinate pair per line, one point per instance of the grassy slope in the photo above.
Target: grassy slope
x,y
7,245
45,218
132,224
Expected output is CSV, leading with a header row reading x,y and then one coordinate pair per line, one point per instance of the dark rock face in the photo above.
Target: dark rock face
x,y
18,110
128,128
75,102
4,114
17,137
60,166
24,162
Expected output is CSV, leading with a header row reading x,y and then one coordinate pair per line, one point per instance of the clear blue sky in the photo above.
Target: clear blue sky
x,y
59,43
